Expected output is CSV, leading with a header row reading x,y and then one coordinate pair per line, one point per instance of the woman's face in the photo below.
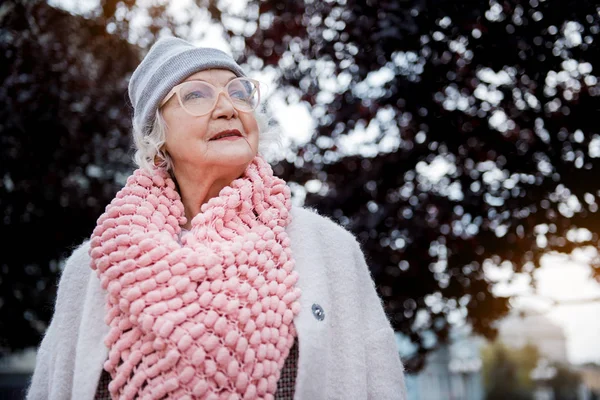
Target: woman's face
x,y
191,140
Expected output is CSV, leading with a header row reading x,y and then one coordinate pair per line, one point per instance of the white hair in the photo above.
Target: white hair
x,y
148,145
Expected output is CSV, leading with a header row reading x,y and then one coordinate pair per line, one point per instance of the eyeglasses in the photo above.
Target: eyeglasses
x,y
199,98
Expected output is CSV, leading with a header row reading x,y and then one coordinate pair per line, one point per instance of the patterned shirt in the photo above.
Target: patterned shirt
x,y
285,384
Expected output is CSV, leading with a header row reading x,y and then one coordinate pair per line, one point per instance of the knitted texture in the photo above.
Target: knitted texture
x,y
210,317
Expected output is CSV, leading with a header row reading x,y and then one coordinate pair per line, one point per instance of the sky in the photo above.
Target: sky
x,y
557,278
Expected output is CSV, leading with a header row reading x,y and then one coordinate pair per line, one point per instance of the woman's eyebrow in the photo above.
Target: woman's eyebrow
x,y
204,80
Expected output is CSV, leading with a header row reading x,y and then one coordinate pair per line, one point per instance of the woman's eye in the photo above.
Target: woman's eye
x,y
195,95
239,94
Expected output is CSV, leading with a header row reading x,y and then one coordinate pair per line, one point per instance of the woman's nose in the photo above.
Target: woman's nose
x,y
224,107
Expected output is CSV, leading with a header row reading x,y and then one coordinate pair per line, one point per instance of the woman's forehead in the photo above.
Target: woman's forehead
x,y
214,76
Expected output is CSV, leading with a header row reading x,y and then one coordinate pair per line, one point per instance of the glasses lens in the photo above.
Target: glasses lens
x,y
244,94
197,97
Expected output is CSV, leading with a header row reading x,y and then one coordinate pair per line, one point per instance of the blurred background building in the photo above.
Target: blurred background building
x,y
453,371
529,327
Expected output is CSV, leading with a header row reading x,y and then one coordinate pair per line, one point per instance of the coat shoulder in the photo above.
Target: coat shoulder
x,y
73,278
78,261
310,218
80,253
308,222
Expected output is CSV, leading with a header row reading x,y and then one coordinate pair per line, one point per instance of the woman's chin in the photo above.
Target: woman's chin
x,y
233,155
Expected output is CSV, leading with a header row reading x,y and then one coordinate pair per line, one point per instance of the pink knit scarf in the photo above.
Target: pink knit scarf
x,y
210,317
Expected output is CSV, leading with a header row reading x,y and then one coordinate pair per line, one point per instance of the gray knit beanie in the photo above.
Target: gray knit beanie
x,y
168,62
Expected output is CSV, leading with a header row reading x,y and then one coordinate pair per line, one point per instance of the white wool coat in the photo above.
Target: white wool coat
x,y
349,354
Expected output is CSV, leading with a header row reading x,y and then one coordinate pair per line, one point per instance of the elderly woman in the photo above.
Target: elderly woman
x,y
200,280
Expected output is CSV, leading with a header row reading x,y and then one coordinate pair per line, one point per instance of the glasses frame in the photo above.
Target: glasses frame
x,y
177,89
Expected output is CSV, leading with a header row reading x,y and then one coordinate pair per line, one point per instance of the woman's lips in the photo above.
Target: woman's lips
x,y
231,134
228,138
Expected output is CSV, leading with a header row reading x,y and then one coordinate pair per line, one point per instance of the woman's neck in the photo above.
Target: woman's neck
x,y
197,189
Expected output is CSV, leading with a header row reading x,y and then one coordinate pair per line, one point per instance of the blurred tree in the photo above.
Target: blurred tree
x,y
64,137
482,146
565,384
526,358
506,371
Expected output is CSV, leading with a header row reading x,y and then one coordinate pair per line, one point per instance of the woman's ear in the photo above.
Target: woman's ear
x,y
157,160
160,159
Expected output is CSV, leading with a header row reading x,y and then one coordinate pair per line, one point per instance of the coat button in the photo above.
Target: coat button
x,y
318,312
